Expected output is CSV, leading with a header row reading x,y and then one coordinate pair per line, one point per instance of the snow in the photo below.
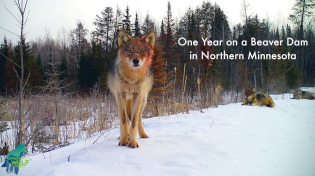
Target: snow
x,y
229,140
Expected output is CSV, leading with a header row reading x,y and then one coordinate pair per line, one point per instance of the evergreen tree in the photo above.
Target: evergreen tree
x,y
293,75
169,39
301,10
63,69
105,29
35,80
31,69
40,64
161,38
9,80
117,27
4,50
100,67
85,73
136,29
26,57
126,21
159,77
148,25
309,78
79,43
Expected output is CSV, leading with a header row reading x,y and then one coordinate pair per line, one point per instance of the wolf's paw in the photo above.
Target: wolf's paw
x,y
123,142
133,144
144,135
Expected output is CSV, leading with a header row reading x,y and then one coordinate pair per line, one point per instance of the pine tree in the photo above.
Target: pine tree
x,y
26,57
169,38
292,75
117,26
148,25
126,21
104,31
310,55
63,69
161,39
100,67
40,64
4,50
35,80
301,10
85,73
78,42
159,77
9,79
136,29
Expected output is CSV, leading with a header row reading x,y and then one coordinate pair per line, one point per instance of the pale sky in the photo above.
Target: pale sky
x,y
54,15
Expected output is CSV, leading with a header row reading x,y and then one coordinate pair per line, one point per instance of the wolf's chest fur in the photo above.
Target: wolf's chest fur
x,y
129,87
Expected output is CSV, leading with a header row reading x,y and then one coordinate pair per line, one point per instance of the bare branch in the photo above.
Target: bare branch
x,y
25,6
11,13
25,34
19,17
17,75
27,18
9,31
17,3
18,26
10,60
29,73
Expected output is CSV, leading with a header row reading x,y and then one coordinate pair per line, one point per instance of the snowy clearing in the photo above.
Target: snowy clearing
x,y
228,140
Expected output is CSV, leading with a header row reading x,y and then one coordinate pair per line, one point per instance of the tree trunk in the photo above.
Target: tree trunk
x,y
20,133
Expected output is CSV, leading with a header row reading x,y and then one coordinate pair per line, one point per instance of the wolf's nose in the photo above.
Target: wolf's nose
x,y
135,62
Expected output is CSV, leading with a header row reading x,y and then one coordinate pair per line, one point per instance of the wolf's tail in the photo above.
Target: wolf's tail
x,y
270,102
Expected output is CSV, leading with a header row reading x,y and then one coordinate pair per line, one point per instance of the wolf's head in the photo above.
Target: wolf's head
x,y
297,94
250,94
135,52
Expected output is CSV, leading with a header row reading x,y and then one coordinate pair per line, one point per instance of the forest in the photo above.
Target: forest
x,y
54,89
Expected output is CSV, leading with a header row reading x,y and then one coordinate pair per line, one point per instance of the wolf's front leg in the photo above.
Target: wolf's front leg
x,y
245,102
254,102
135,113
123,118
141,131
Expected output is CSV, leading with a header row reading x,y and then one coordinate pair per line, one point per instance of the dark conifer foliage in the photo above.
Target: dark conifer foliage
x,y
82,58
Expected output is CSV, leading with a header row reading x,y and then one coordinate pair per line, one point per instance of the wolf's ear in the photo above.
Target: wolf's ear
x,y
149,39
123,37
254,89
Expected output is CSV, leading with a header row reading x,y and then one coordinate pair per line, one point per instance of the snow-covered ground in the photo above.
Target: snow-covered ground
x,y
231,140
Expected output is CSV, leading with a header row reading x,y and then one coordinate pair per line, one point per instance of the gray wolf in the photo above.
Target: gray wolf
x,y
299,94
130,81
251,98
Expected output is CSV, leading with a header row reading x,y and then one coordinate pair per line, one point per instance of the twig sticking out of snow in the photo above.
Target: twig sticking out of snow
x,y
102,135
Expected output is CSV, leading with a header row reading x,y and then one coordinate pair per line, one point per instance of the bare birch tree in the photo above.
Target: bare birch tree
x,y
22,21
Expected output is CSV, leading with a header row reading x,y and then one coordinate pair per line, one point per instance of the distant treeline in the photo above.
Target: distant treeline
x,y
75,63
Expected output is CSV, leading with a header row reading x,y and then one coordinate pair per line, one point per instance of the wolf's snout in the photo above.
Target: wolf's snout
x,y
135,62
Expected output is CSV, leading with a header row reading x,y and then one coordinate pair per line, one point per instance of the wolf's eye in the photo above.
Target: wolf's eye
x,y
128,49
142,51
